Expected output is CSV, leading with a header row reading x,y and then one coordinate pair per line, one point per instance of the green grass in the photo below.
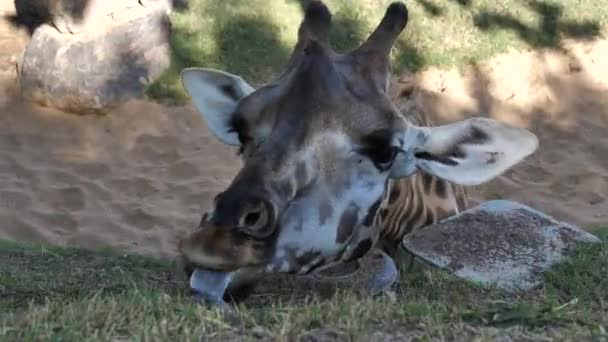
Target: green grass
x,y
50,293
254,38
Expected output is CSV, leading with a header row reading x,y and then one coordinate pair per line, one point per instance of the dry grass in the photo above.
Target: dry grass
x,y
75,295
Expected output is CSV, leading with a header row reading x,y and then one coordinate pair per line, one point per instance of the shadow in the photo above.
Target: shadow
x,y
408,57
346,32
226,45
547,34
435,10
233,49
30,14
258,59
430,8
122,87
180,5
464,3
231,45
478,85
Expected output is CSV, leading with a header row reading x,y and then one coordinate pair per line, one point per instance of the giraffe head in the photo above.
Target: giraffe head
x,y
318,145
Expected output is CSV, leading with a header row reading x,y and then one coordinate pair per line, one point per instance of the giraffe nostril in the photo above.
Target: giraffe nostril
x,y
255,218
252,218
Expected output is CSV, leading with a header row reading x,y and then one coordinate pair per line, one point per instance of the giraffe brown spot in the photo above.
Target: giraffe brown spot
x,y
383,213
371,213
430,219
427,182
348,220
363,247
325,211
394,194
441,188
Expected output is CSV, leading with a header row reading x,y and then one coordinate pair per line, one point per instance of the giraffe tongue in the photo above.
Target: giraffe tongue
x,y
210,285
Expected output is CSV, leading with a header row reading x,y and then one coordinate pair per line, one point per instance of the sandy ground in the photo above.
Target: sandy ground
x,y
139,178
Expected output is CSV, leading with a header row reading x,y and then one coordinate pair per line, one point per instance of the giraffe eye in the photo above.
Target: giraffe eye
x,y
383,159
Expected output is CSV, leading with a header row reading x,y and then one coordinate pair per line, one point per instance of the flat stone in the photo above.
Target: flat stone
x,y
92,72
498,243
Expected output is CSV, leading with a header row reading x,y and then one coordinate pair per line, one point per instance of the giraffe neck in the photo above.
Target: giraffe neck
x,y
414,202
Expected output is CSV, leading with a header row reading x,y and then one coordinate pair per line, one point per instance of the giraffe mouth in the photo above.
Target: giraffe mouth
x,y
210,285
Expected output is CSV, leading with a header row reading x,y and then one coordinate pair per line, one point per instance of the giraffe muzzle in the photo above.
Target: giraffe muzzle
x,y
223,249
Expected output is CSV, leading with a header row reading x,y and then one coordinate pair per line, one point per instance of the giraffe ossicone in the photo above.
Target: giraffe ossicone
x,y
331,168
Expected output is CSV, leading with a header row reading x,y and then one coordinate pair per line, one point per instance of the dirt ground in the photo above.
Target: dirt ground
x,y
562,96
139,178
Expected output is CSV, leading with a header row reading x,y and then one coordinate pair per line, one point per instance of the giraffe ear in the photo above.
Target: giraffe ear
x,y
468,152
215,95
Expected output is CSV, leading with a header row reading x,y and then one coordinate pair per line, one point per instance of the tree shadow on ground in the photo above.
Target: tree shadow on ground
x,y
232,49
547,34
347,31
235,53
430,8
550,30
180,5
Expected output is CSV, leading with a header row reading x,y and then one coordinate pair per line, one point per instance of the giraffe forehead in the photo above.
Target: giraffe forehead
x,y
320,152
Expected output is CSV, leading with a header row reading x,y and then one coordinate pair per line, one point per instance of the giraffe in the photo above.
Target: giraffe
x,y
331,169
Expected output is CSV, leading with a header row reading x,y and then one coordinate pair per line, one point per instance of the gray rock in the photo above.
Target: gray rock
x,y
500,243
95,71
